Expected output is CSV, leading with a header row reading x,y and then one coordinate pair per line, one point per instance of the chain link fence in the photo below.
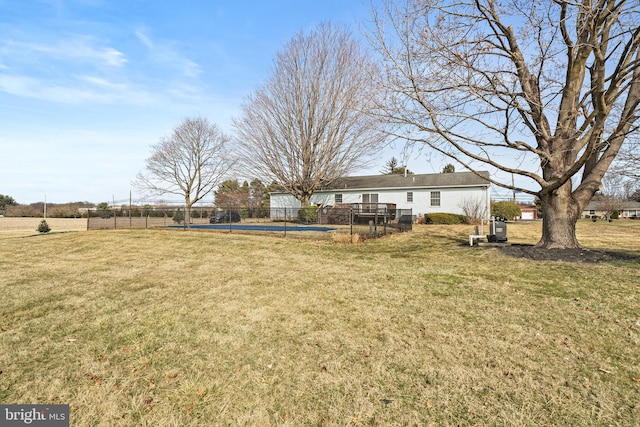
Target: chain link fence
x,y
366,220
146,217
359,218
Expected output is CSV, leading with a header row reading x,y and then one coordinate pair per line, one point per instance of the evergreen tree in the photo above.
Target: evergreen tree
x,y
43,227
449,169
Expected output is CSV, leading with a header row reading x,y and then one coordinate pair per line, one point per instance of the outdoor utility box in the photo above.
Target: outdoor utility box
x,y
497,230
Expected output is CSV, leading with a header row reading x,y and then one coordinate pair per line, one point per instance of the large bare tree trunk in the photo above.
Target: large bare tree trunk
x,y
560,214
187,212
304,201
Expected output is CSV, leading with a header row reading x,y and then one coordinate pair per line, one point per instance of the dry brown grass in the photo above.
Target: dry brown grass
x,y
171,327
27,226
346,237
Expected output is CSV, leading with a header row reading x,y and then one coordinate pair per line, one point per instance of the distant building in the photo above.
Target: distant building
x,y
529,212
600,208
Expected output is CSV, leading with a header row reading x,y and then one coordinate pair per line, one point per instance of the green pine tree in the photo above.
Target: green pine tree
x,y
43,227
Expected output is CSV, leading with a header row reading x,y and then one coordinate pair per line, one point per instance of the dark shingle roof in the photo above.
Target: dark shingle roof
x,y
456,179
600,205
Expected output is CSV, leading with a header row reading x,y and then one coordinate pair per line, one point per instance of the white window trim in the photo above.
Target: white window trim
x,y
431,199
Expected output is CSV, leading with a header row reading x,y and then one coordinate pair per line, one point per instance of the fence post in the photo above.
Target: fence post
x,y
115,219
375,223
285,222
385,224
351,222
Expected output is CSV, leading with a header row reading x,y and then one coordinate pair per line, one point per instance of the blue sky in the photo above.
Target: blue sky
x,y
88,86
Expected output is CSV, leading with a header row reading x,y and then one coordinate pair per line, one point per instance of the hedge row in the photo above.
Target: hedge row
x,y
445,218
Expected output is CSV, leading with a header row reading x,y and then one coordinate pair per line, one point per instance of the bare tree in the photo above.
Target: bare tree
x,y
308,124
546,90
475,209
628,161
612,194
189,163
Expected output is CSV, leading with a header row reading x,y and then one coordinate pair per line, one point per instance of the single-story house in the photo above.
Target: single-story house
x,y
423,193
600,208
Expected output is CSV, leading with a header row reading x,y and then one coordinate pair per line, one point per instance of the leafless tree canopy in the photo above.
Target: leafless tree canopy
x,y
475,209
547,90
628,161
189,163
308,124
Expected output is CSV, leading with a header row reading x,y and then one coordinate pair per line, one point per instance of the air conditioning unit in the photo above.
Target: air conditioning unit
x,y
497,230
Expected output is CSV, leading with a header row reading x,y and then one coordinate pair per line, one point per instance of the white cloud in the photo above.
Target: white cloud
x,y
80,69
79,48
98,90
18,85
104,83
112,57
167,54
144,38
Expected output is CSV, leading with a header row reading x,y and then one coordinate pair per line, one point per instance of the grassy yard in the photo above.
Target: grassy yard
x,y
186,328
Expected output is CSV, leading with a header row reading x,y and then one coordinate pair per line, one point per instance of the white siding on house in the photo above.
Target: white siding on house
x,y
283,200
628,209
451,199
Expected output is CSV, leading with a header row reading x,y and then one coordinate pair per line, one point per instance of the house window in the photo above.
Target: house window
x,y
370,198
592,212
435,198
337,198
409,196
369,202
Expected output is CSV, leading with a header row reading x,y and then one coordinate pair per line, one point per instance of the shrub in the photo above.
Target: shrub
x,y
43,227
178,217
508,210
445,218
308,214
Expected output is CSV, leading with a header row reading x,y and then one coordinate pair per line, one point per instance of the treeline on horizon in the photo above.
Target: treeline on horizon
x,y
54,210
79,209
